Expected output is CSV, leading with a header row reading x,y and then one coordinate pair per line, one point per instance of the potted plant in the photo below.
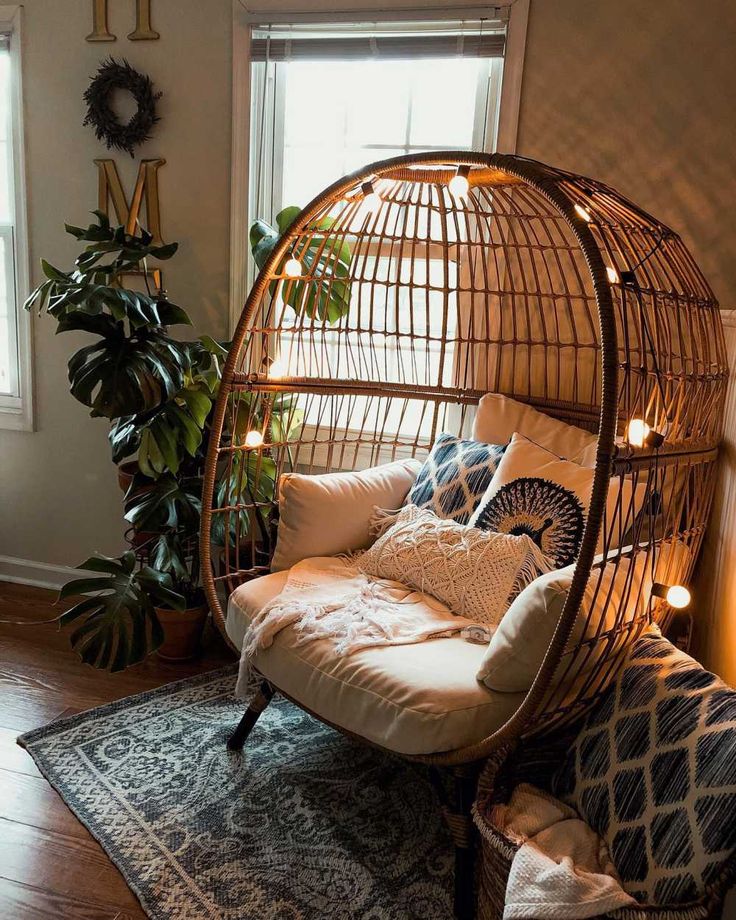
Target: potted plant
x,y
158,393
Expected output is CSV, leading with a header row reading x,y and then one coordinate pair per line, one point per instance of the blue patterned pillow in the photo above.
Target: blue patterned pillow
x,y
653,771
454,477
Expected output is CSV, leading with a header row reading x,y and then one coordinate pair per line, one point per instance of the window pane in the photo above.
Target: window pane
x,y
316,97
7,328
444,101
331,119
339,116
8,344
379,107
307,170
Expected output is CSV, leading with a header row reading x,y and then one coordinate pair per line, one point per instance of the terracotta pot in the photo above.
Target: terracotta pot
x,y
126,472
182,632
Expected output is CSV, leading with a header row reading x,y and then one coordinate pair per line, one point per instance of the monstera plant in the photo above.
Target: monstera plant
x,y
158,392
324,288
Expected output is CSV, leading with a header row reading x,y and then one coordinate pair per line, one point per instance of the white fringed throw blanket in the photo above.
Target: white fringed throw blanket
x,y
329,597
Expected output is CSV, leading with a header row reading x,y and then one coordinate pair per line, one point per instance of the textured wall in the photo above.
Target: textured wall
x,y
643,96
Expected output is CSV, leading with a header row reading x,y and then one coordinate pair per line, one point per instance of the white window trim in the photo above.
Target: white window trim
x,y
507,124
16,412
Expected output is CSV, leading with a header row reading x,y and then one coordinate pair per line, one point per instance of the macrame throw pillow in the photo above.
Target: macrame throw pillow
x,y
455,476
477,574
653,771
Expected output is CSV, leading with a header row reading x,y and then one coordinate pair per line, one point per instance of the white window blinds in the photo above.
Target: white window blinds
x,y
385,42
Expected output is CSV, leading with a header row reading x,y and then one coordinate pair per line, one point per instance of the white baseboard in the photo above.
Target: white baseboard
x,y
36,574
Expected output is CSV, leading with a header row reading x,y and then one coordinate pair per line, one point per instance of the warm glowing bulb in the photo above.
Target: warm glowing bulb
x,y
678,597
582,212
459,186
253,439
637,433
293,268
612,274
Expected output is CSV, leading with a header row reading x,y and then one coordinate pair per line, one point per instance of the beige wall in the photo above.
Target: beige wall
x,y
58,497
639,94
643,95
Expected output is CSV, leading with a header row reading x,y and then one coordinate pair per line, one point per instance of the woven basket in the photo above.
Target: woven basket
x,y
497,851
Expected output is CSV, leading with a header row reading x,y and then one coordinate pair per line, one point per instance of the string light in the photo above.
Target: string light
x,y
253,439
583,212
371,198
612,274
293,268
677,596
459,185
638,432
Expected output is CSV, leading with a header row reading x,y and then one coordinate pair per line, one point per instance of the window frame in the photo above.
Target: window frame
x,y
16,411
505,118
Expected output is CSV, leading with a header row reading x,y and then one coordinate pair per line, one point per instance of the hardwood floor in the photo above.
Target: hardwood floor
x,y
50,865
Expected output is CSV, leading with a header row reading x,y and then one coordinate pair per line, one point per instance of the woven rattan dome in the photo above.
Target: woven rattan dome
x,y
545,286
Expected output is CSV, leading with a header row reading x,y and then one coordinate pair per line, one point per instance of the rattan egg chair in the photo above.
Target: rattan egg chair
x,y
524,280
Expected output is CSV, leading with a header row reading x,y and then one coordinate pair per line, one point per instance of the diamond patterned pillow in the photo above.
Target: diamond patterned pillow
x,y
454,477
653,771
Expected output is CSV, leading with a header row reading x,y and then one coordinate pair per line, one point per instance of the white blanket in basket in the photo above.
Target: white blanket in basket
x,y
562,869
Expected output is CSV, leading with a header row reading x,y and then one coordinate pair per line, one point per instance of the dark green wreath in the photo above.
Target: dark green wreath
x,y
114,75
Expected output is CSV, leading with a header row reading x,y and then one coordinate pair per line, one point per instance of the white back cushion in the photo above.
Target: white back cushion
x,y
330,513
500,416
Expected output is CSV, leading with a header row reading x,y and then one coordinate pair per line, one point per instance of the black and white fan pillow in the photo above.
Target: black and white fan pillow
x,y
653,771
534,492
454,477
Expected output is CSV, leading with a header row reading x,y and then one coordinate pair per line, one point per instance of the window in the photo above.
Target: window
x,y
326,101
328,98
15,347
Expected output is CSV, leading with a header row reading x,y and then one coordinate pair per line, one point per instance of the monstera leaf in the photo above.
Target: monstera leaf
x,y
325,260
123,374
119,624
166,503
94,285
166,435
251,481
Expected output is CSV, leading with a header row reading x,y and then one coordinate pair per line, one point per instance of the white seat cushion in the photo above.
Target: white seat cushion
x,y
411,699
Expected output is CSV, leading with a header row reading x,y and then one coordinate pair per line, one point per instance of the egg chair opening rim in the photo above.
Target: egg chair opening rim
x,y
540,178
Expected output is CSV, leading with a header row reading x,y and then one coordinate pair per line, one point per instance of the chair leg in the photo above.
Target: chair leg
x,y
259,702
460,823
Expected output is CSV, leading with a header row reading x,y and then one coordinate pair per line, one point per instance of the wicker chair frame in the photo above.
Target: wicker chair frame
x,y
546,286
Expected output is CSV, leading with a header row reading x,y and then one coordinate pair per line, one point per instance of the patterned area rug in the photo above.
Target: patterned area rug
x,y
304,824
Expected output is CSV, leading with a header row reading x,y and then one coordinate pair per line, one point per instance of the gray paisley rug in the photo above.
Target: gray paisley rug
x,y
304,824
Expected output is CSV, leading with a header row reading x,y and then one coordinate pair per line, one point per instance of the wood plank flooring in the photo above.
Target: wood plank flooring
x,y
50,865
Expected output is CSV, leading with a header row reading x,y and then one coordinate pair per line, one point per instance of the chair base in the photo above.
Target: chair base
x,y
457,803
259,702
